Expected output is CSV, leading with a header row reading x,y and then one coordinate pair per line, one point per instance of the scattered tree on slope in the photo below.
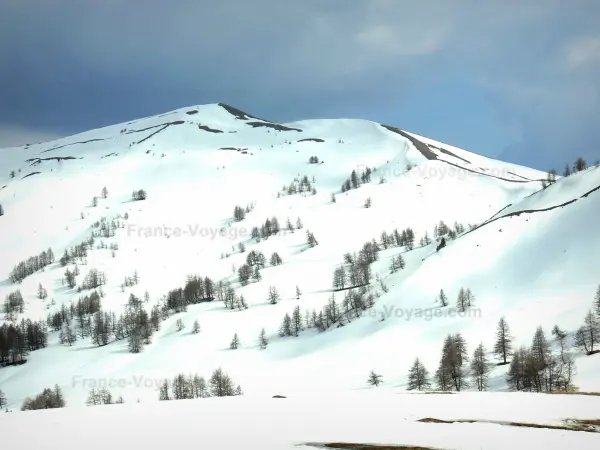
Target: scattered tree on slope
x,y
375,379
480,368
503,345
418,377
451,373
262,339
235,342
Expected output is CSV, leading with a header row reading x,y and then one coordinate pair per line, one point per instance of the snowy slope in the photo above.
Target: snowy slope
x,y
285,424
535,269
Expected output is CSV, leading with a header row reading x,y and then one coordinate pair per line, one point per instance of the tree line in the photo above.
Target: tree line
x,y
355,180
356,269
18,340
544,366
300,185
183,387
30,266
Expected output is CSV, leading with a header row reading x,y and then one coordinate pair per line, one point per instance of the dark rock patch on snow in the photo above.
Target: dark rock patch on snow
x,y
520,176
311,140
212,130
36,161
421,146
164,127
238,113
448,152
72,143
275,126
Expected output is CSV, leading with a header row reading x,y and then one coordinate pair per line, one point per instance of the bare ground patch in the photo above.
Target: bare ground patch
x,y
36,161
448,152
585,425
356,446
421,146
238,113
73,143
212,130
164,127
275,126
30,174
595,394
311,140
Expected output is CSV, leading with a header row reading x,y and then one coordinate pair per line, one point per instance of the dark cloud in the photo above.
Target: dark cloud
x,y
70,65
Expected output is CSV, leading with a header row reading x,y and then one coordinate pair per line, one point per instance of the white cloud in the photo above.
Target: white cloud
x,y
400,40
582,52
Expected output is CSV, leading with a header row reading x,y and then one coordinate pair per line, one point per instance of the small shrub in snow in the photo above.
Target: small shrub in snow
x,y
374,379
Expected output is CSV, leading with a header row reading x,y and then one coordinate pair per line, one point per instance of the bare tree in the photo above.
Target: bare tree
x,y
235,342
418,377
480,367
503,345
588,335
374,379
262,339
442,299
3,400
273,295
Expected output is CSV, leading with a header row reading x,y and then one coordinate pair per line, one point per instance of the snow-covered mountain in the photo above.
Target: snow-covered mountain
x,y
528,254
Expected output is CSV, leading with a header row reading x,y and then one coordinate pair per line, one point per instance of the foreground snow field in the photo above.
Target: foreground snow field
x,y
373,417
535,268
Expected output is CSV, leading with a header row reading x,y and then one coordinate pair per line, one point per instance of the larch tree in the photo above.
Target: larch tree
x,y
418,377
235,342
262,339
503,346
273,295
374,379
442,298
480,367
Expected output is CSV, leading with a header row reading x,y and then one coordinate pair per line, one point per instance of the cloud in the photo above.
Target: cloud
x,y
583,52
76,65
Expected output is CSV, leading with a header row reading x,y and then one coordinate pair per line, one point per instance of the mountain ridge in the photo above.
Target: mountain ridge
x,y
529,268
